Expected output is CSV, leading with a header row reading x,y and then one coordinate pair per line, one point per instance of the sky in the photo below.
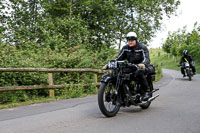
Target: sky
x,y
188,13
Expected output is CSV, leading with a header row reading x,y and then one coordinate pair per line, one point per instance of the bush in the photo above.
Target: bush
x,y
74,57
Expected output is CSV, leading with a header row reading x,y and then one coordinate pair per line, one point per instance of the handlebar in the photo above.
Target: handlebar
x,y
128,64
113,64
135,65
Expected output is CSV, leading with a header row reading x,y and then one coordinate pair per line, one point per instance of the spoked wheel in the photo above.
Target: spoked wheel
x,y
107,100
189,74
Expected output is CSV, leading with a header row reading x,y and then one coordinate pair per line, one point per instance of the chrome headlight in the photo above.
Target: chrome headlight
x,y
112,64
187,64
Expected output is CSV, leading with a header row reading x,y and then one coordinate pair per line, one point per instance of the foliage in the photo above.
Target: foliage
x,y
61,23
164,62
182,40
154,57
76,57
69,34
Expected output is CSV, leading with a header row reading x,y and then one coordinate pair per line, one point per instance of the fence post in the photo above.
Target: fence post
x,y
50,79
95,80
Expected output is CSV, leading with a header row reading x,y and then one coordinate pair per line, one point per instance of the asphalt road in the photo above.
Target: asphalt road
x,y
176,110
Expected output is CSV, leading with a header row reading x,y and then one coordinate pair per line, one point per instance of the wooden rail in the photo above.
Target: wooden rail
x,y
51,85
50,70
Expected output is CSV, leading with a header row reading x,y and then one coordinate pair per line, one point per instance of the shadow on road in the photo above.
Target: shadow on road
x,y
183,79
123,110
131,109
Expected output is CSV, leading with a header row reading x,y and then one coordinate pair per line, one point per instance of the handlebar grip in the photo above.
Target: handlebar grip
x,y
132,65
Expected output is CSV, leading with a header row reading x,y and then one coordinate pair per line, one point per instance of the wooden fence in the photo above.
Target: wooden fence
x,y
50,72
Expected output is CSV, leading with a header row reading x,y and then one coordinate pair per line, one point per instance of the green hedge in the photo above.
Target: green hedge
x,y
75,57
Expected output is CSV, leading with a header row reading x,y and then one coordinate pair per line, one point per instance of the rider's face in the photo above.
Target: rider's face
x,y
131,43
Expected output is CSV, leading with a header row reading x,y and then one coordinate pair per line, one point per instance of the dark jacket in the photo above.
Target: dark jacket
x,y
138,54
187,58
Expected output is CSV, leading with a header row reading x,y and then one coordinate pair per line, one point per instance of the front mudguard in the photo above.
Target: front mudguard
x,y
106,79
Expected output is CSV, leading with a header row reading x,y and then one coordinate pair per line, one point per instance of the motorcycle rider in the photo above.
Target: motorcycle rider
x,y
187,58
137,53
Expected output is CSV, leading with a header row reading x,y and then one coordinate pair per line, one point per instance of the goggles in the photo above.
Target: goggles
x,y
131,38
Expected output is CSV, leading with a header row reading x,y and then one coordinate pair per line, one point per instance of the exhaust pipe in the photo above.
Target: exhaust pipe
x,y
149,100
153,98
154,90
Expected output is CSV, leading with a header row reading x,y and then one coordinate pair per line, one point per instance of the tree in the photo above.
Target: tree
x,y
145,16
181,40
20,22
167,44
91,23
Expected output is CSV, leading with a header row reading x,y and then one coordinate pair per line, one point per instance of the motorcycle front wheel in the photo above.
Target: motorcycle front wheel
x,y
189,74
107,100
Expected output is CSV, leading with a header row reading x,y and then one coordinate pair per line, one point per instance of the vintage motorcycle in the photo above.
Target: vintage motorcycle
x,y
122,88
188,70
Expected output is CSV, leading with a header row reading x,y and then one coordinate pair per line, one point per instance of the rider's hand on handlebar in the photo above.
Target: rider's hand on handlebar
x,y
141,66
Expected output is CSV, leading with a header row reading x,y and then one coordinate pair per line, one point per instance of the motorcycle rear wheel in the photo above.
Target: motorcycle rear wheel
x,y
107,100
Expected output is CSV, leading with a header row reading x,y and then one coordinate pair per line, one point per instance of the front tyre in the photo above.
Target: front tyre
x,y
189,74
107,100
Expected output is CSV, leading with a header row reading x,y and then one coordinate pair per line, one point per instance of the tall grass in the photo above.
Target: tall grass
x,y
158,56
